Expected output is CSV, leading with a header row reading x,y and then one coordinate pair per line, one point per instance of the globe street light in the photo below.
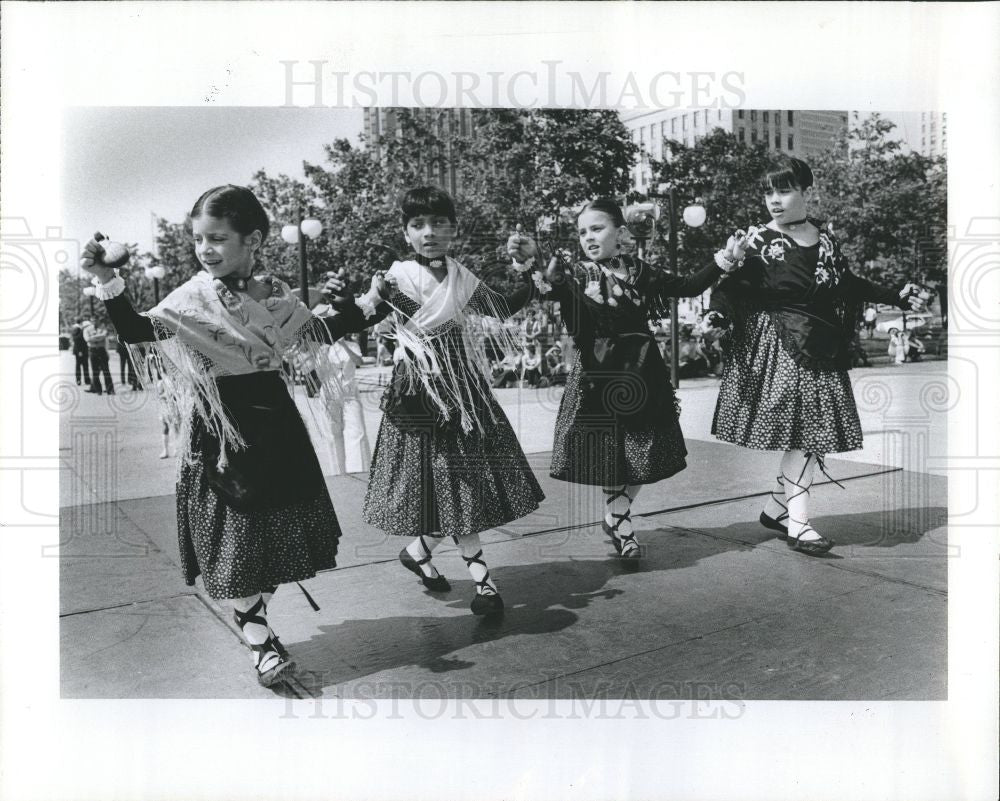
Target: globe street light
x,y
155,274
694,216
291,234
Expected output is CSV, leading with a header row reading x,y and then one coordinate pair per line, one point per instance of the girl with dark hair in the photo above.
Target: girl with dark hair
x,y
789,316
447,462
253,511
618,424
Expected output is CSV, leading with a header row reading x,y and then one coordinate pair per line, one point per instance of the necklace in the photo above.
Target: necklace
x,y
434,264
235,282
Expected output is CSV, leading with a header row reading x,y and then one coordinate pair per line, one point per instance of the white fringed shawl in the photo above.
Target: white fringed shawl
x,y
204,331
422,341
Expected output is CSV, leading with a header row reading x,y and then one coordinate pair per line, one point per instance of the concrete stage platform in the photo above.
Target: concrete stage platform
x,y
718,608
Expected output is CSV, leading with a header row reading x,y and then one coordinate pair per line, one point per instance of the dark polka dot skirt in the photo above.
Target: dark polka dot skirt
x,y
769,402
239,554
598,451
432,478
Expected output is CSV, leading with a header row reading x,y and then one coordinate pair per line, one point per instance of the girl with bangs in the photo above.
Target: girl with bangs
x,y
447,462
789,317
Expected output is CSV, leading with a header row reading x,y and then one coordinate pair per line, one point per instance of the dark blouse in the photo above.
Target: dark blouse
x,y
587,318
814,297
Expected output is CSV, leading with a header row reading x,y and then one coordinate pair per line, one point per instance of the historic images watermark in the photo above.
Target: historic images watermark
x,y
316,83
470,700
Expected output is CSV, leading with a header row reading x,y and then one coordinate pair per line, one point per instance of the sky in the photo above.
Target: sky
x,y
122,165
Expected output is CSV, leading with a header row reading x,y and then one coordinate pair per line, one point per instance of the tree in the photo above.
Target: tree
x,y
888,207
725,174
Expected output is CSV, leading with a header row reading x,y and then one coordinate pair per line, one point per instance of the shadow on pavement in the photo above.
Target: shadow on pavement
x,y
545,597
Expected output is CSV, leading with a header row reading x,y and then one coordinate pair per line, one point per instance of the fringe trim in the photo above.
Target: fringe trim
x,y
186,386
428,364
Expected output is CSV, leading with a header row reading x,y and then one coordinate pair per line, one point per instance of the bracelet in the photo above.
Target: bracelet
x,y
522,267
367,305
110,289
725,263
540,282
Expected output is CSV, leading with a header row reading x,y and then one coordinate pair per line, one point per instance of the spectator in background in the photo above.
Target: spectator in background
x,y
126,371
507,371
531,362
870,315
897,345
914,347
81,353
97,339
555,364
346,416
858,356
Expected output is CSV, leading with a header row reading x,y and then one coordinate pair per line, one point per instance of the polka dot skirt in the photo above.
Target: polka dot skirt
x,y
597,451
769,402
437,479
239,554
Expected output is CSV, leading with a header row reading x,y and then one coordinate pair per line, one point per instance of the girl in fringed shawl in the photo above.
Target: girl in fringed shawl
x,y
789,317
618,425
253,511
446,461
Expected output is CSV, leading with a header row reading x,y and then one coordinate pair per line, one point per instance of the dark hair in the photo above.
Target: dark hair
x,y
238,205
427,200
608,206
786,172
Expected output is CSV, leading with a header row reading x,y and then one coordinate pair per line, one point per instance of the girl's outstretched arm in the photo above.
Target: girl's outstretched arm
x,y
854,287
667,285
355,315
131,326
487,301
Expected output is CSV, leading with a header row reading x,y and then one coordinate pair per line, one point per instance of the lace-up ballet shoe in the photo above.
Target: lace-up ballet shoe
x,y
488,603
810,547
272,666
270,662
626,547
774,525
437,584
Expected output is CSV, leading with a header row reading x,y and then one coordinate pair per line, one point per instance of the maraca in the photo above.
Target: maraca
x,y
110,254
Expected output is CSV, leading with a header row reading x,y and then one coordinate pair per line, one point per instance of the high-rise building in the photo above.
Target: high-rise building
x,y
440,167
933,133
798,133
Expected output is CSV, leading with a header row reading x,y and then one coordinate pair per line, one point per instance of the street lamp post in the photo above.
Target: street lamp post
x,y
155,274
292,234
693,216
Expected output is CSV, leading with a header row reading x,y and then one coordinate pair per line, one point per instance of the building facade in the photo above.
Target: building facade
x,y
933,133
798,133
384,123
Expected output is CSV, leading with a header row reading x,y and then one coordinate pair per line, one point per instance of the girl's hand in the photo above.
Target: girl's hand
x,y
713,326
90,262
335,285
916,296
383,285
520,246
736,246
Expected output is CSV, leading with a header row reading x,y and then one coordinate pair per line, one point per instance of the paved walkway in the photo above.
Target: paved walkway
x,y
719,609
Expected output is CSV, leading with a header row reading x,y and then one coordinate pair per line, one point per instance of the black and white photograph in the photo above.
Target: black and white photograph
x,y
621,419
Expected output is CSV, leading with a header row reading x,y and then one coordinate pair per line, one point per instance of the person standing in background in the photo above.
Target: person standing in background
x,y
81,353
97,346
870,315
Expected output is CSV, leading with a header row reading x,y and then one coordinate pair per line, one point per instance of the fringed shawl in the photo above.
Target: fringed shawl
x,y
204,331
455,382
